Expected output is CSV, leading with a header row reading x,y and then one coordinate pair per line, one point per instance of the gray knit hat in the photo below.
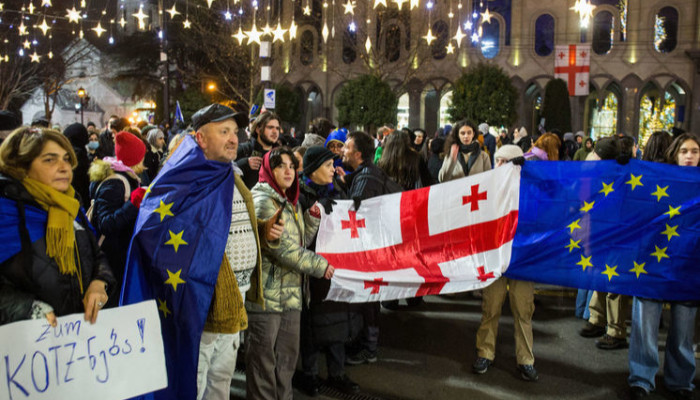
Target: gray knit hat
x,y
508,152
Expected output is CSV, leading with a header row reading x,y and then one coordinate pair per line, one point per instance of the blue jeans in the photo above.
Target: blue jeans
x,y
679,360
583,299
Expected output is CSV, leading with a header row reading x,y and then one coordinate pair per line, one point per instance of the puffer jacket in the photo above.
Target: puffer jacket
x,y
286,259
451,169
32,275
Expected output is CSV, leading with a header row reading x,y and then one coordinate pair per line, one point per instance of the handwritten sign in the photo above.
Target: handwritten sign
x,y
119,357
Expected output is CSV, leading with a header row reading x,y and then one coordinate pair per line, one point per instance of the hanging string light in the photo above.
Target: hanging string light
x,y
584,9
429,37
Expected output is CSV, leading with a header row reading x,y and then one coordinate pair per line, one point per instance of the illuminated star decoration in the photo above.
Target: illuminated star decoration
x,y
399,3
670,232
610,271
50,55
141,16
122,22
429,36
638,269
585,262
31,8
164,210
475,37
162,307
573,244
240,36
174,279
254,35
74,16
227,15
278,33
307,10
27,44
459,36
486,16
368,44
186,23
173,12
607,188
634,181
414,4
377,3
349,7
46,3
574,225
99,30
22,29
324,32
587,206
2,7
176,240
209,3
44,28
660,253
660,192
673,211
35,57
293,30
266,30
450,48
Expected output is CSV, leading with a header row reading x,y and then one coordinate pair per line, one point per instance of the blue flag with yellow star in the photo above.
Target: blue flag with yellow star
x,y
175,256
630,229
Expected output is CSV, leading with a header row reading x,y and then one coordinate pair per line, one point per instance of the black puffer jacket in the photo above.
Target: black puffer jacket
x,y
369,181
249,149
31,275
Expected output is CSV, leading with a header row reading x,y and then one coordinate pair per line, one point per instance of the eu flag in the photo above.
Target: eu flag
x,y
630,229
175,255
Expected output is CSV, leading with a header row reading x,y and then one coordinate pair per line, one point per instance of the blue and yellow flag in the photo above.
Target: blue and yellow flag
x,y
630,229
176,253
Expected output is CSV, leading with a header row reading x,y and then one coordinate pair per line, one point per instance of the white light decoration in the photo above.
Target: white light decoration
x,y
324,32
278,33
50,55
35,57
31,8
429,37
368,45
240,36
227,15
450,48
468,25
99,30
73,15
21,52
141,17
459,36
293,30
44,28
486,16
475,37
173,12
22,29
186,23
254,34
352,27
349,7
122,22
429,5
209,3
46,3
378,3
414,4
307,10
27,44
111,40
400,3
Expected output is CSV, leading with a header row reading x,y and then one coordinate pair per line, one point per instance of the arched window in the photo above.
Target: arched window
x,y
306,48
544,35
603,29
402,111
392,42
441,31
445,103
656,114
604,118
491,38
666,30
349,46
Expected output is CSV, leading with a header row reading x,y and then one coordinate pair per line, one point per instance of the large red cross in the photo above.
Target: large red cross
x,y
572,69
474,198
353,224
375,285
424,252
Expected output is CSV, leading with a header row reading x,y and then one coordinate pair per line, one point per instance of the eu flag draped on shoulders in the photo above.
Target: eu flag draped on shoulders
x,y
175,255
630,229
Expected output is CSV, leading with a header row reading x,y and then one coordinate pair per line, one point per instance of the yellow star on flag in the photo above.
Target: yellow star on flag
x,y
660,192
574,225
573,244
673,211
660,253
164,210
174,279
607,188
163,308
670,232
176,239
638,269
585,262
587,206
610,272
634,181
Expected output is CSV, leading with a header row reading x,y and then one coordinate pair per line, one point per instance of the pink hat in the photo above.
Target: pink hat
x,y
129,149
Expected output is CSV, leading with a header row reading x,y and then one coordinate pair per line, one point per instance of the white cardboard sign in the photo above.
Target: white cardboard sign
x,y
119,357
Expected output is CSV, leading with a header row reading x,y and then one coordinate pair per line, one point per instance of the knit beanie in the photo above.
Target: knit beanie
x,y
508,151
607,148
129,149
315,157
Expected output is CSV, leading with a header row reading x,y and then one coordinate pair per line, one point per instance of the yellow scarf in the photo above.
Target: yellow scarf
x,y
60,234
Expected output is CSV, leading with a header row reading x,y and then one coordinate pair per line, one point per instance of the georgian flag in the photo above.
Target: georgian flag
x,y
452,237
572,63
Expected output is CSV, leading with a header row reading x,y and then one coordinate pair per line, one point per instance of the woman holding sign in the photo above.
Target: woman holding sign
x,y
50,264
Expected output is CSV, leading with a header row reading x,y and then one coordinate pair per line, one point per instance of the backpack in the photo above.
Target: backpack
x,y
127,194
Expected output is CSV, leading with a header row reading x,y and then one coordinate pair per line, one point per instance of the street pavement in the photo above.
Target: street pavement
x,y
426,352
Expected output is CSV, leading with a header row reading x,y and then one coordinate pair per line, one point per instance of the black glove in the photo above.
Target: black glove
x,y
518,161
623,159
327,204
357,202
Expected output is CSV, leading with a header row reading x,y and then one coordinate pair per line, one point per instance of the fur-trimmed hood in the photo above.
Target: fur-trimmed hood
x,y
99,170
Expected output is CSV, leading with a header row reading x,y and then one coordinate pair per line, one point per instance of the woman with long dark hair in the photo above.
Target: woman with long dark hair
x,y
402,163
463,153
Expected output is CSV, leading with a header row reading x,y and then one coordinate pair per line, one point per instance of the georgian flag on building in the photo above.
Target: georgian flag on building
x,y
447,238
572,63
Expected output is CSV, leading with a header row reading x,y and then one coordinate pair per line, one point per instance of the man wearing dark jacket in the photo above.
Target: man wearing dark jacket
x,y
365,182
106,138
265,133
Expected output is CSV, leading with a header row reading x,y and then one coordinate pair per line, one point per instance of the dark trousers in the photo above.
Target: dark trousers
x,y
369,338
311,347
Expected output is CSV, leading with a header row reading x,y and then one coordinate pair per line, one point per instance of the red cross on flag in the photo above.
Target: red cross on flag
x,y
572,63
447,238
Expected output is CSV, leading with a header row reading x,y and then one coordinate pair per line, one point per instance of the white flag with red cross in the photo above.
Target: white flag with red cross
x,y
572,63
452,237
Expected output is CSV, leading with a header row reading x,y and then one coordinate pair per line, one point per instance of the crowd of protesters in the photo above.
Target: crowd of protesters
x,y
80,190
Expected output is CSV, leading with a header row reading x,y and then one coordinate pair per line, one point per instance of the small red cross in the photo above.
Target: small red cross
x,y
561,55
583,54
582,83
376,284
353,224
482,276
474,198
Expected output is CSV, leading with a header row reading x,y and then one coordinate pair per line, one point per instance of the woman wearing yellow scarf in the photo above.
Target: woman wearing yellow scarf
x,y
50,264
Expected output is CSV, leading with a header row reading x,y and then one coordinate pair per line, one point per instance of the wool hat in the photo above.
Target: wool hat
x,y
484,128
607,148
337,135
314,157
129,149
217,113
508,151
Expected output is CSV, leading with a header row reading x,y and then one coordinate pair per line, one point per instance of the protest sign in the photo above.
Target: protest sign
x,y
119,357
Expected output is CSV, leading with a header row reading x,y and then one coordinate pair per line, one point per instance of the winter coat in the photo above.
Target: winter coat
x,y
31,275
582,152
112,216
369,181
286,259
490,145
249,149
152,163
434,165
451,169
